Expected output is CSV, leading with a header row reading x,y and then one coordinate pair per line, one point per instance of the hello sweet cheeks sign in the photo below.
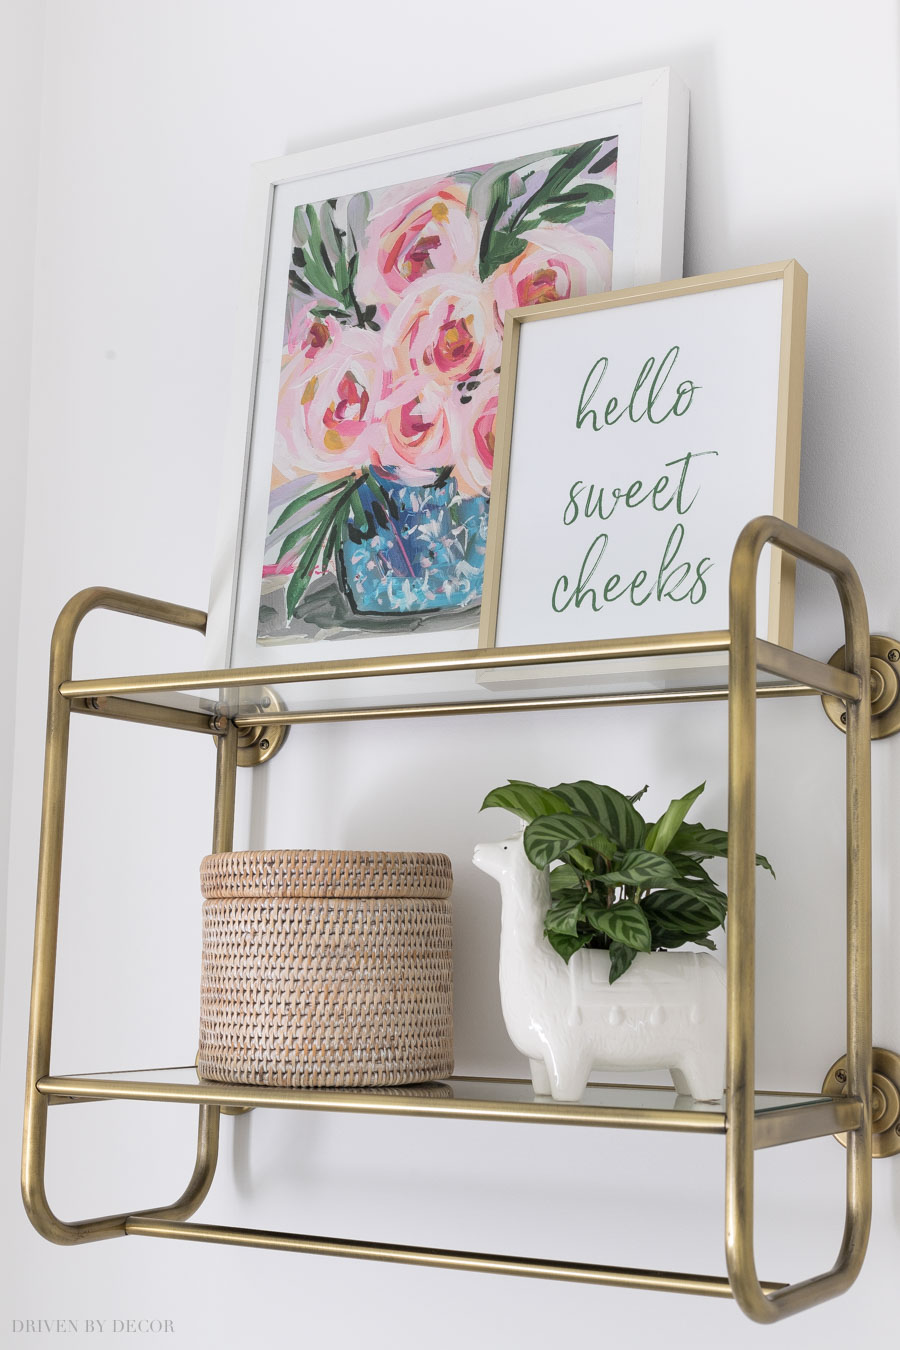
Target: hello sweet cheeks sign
x,y
638,433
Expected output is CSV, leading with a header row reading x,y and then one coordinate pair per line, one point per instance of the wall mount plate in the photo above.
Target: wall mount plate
x,y
258,744
885,1099
885,682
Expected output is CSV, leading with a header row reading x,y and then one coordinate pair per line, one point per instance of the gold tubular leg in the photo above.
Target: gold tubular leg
x,y
34,1145
748,1292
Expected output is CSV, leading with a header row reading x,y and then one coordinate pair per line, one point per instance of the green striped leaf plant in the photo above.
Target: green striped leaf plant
x,y
617,881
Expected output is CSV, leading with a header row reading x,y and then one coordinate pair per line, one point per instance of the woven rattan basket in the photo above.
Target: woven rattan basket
x,y
326,969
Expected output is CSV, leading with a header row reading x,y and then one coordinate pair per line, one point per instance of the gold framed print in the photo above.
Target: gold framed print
x,y
637,433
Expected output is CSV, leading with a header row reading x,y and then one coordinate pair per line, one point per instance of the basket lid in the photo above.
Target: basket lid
x,y
258,874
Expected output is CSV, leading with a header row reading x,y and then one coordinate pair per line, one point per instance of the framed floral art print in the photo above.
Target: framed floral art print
x,y
358,487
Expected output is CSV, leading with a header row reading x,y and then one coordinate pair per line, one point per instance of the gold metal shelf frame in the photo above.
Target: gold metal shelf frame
x,y
748,1120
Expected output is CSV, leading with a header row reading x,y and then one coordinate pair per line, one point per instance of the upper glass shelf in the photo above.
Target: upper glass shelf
x,y
780,1117
638,670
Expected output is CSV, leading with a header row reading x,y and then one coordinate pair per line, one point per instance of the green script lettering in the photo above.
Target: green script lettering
x,y
638,405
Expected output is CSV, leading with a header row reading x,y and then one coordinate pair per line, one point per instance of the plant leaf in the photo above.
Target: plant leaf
x,y
640,867
615,816
565,878
549,836
564,915
686,866
660,835
566,945
703,843
581,858
624,922
680,912
620,958
704,886
526,800
663,937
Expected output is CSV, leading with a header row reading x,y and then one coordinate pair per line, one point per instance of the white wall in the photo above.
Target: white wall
x,y
151,115
21,61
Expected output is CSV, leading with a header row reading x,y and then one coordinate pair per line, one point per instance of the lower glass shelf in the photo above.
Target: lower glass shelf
x,y
780,1117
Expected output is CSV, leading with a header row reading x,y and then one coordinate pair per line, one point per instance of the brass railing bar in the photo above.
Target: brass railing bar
x,y
154,714
772,1128
462,707
802,669
48,1084
486,658
740,1073
46,928
622,1277
537,1112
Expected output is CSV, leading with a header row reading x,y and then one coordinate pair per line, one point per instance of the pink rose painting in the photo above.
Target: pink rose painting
x,y
384,438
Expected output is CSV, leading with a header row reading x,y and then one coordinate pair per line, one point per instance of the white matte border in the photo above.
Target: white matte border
x,y
656,253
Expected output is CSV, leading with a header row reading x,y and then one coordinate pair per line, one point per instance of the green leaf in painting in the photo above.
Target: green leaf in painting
x,y
504,246
660,835
290,541
559,177
560,215
548,836
303,570
605,161
587,192
304,498
615,816
525,800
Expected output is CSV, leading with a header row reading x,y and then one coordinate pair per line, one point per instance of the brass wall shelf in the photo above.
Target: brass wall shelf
x,y
780,1117
258,704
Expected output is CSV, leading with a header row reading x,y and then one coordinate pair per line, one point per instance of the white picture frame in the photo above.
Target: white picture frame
x,y
647,112
674,416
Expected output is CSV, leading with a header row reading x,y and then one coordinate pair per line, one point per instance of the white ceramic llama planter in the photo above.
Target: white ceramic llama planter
x,y
666,1012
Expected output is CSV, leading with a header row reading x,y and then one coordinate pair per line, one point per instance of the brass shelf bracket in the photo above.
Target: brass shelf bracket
x,y
884,681
885,1099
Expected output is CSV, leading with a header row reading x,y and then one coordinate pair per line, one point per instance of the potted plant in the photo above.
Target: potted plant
x,y
589,884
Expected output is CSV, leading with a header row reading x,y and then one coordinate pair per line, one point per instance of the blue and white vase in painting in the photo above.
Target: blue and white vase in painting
x,y
421,550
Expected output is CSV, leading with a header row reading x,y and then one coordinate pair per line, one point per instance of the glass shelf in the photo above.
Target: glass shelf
x,y
781,1117
679,667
